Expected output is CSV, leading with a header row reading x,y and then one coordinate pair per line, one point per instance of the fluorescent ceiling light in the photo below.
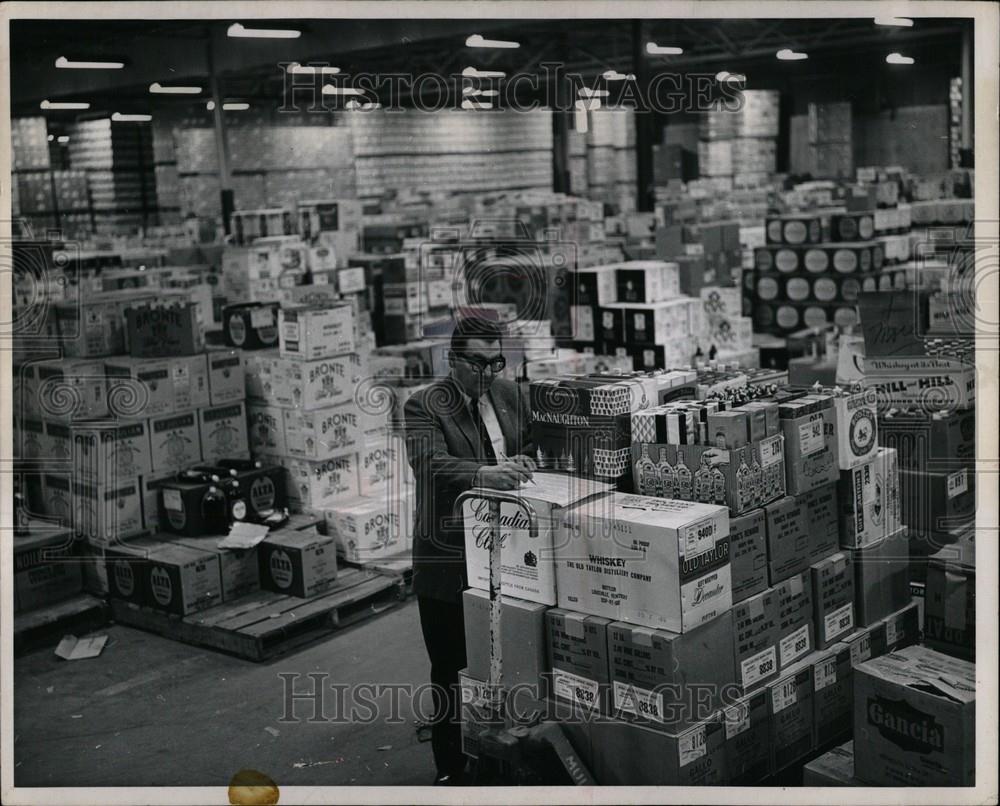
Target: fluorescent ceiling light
x,y
477,41
52,137
118,117
898,58
468,103
614,75
472,92
240,32
662,50
158,88
311,70
584,92
66,64
64,105
580,121
63,138
329,89
725,75
788,55
371,105
472,72
229,106
589,103
899,22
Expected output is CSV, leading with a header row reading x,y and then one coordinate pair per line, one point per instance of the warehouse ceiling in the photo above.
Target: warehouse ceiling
x,y
177,51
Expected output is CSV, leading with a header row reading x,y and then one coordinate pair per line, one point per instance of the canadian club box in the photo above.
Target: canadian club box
x,y
223,431
670,681
833,598
175,441
795,619
748,736
914,720
833,686
577,647
790,703
748,553
528,560
522,640
181,580
297,563
648,561
950,604
226,378
239,570
755,639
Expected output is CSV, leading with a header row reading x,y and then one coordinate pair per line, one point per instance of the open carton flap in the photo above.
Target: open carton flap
x,y
557,489
643,509
927,671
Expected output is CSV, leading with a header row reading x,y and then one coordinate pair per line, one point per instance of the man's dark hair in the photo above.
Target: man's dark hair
x,y
474,327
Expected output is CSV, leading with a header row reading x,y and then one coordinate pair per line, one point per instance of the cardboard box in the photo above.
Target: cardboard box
x,y
266,429
796,536
317,384
149,487
790,704
171,329
382,465
833,598
175,441
251,325
528,570
181,580
297,563
595,285
903,382
950,603
835,768
902,628
921,438
165,385
833,687
748,553
110,450
748,735
104,513
223,432
193,508
522,641
795,633
756,635
127,567
866,643
669,680
914,720
937,501
666,567
368,529
45,569
646,281
92,326
856,428
655,322
226,378
809,427
239,570
881,578
578,659
475,712
79,381
863,500
327,433
313,333
321,485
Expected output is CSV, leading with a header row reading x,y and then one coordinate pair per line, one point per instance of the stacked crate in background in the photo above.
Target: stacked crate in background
x,y
611,158
740,144
831,141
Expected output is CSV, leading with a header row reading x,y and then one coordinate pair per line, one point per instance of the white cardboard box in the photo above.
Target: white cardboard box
x,y
223,432
311,333
326,433
371,528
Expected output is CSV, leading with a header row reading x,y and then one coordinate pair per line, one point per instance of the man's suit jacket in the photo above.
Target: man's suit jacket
x,y
441,443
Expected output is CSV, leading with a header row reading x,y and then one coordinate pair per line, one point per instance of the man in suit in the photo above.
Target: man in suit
x,y
470,429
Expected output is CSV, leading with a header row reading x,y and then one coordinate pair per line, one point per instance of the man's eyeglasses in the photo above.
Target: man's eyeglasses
x,y
482,364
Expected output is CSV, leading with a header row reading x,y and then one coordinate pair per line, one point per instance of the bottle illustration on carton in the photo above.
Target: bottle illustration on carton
x,y
756,477
718,486
703,481
666,477
744,484
646,472
683,475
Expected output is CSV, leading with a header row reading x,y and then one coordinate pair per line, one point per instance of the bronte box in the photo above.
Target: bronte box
x,y
577,647
326,433
181,580
795,619
914,719
371,528
748,736
308,385
649,561
297,563
833,598
522,640
833,683
755,639
266,429
669,680
748,554
790,701
164,330
320,485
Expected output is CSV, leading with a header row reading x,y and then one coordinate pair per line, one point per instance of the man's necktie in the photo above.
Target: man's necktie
x,y
486,444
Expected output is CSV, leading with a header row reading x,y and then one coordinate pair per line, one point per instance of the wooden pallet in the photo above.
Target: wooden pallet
x,y
265,624
398,567
78,615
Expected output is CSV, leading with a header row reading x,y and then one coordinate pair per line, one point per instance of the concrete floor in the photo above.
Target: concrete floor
x,y
154,712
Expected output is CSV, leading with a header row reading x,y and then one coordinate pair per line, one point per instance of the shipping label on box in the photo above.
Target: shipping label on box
x,y
833,683
578,658
522,640
313,333
168,385
239,570
266,429
755,633
914,720
105,513
748,554
833,598
326,433
790,699
748,737
788,539
175,441
226,378
297,563
902,628
669,680
810,451
795,619
368,529
656,562
318,384
109,451
223,431
866,643
319,485
182,580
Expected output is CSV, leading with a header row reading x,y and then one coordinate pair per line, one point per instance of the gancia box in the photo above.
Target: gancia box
x,y
914,719
654,562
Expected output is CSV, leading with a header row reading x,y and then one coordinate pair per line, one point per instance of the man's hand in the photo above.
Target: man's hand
x,y
525,461
505,476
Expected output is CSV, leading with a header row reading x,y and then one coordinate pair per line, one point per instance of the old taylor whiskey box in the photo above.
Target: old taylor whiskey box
x,y
653,562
